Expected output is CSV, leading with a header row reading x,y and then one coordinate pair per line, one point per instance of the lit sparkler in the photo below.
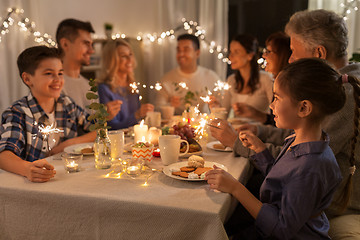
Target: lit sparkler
x,y
220,85
183,85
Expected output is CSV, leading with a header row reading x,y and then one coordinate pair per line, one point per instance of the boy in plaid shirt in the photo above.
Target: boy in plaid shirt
x,y
22,143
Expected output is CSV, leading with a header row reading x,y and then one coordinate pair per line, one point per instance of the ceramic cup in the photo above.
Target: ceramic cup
x,y
169,146
167,112
153,119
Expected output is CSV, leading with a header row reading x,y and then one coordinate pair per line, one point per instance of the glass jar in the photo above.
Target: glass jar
x,y
102,150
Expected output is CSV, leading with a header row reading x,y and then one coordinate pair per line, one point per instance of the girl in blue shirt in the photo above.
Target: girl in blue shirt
x,y
122,102
301,181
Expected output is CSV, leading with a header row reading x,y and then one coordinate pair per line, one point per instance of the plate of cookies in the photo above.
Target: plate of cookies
x,y
84,148
192,170
218,146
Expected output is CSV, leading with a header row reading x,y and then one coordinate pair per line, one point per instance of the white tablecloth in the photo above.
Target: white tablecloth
x,y
86,205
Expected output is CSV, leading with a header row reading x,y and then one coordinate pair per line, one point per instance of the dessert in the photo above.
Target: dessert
x,y
194,170
219,146
87,150
195,161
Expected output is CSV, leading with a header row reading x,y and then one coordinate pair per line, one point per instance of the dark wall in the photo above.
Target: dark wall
x,y
261,17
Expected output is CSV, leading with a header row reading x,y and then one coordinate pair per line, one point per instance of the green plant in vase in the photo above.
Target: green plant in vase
x,y
102,145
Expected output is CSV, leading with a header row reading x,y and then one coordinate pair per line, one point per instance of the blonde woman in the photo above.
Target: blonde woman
x,y
114,89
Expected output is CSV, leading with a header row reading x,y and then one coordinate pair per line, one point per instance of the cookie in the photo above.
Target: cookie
x,y
200,171
187,169
184,174
176,173
87,150
219,146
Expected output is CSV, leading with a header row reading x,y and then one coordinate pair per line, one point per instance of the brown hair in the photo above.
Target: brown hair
x,y
280,44
343,199
251,45
68,29
313,79
29,59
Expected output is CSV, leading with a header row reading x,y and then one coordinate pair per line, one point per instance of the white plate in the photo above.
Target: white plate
x,y
210,145
178,165
77,148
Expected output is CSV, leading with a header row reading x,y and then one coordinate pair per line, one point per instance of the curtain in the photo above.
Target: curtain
x,y
12,88
211,15
130,17
352,22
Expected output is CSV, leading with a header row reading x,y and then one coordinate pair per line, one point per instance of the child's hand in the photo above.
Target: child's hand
x,y
221,180
40,171
251,141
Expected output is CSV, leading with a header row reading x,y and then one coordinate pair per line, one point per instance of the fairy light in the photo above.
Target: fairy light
x,y
349,6
191,27
25,25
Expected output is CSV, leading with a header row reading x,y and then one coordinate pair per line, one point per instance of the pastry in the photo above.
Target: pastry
x,y
195,161
219,146
87,150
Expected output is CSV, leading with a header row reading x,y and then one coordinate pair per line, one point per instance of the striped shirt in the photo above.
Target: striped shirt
x,y
20,130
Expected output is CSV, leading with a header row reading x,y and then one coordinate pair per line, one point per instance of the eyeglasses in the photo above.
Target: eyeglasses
x,y
267,51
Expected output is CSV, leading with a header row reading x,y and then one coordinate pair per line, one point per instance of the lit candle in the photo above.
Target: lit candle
x,y
134,170
72,167
156,152
154,135
140,131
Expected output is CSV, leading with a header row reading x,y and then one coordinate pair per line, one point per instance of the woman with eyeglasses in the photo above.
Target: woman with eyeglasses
x,y
277,52
251,89
114,89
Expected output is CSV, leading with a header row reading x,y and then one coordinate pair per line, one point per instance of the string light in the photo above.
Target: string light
x,y
348,6
25,25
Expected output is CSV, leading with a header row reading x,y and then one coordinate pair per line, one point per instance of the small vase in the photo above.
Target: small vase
x,y
102,150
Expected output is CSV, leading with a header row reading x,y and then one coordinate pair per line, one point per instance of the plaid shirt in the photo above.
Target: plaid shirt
x,y
19,129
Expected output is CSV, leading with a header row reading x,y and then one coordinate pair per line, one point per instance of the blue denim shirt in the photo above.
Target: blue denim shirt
x,y
298,186
130,104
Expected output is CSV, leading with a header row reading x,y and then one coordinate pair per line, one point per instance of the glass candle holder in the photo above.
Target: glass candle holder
x,y
72,161
134,167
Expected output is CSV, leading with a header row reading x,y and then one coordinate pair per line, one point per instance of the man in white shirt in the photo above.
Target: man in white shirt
x,y
75,42
197,79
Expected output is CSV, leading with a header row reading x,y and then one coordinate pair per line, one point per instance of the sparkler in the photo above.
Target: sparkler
x,y
45,131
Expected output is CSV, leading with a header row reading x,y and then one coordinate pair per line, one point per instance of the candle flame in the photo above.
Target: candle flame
x,y
142,123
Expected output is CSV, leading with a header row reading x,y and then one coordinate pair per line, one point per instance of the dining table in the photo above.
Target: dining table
x,y
110,204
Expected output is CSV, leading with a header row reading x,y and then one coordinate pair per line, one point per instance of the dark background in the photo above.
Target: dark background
x,y
261,17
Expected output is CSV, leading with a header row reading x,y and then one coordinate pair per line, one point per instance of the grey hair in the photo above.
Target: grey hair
x,y
320,27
